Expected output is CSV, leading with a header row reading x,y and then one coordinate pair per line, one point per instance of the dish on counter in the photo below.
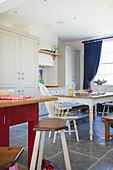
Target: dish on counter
x,y
6,92
82,92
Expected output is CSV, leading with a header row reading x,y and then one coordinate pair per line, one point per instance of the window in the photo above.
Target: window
x,y
105,70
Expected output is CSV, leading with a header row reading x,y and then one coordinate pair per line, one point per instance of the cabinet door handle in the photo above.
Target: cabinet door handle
x,y
18,76
18,91
22,76
4,120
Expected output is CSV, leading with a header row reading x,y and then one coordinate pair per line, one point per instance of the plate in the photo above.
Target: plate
x,y
6,92
82,94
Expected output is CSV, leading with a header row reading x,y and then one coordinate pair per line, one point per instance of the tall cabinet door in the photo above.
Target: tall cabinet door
x,y
9,61
72,72
29,66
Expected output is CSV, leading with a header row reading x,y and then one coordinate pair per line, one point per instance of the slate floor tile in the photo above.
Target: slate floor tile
x,y
78,161
106,163
95,148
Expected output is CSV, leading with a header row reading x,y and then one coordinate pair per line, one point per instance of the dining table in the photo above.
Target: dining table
x,y
13,112
91,100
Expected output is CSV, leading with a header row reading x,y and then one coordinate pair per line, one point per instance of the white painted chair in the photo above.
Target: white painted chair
x,y
108,105
56,111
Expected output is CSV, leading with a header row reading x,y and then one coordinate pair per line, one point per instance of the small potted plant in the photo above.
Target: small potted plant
x,y
99,83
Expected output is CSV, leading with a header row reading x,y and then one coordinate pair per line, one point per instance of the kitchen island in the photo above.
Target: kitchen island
x,y
13,112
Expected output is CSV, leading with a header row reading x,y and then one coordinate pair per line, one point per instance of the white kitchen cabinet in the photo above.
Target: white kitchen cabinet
x,y
9,60
68,67
18,62
56,91
29,65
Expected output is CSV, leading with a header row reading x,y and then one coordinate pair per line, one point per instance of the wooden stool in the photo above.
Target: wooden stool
x,y
48,124
9,156
108,120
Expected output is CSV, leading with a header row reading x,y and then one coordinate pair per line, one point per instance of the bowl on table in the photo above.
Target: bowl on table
x,y
6,92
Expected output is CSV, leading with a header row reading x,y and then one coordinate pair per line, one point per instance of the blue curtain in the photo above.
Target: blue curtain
x,y
92,53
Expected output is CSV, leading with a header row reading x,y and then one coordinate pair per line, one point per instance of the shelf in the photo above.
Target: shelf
x,y
53,54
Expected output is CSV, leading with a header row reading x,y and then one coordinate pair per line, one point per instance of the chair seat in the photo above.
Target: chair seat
x,y
9,155
51,124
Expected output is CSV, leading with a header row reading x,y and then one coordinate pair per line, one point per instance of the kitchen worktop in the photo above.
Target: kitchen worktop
x,y
34,99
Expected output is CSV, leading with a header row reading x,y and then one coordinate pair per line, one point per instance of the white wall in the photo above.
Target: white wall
x,y
47,41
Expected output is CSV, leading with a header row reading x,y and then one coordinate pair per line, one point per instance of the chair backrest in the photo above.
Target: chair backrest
x,y
49,105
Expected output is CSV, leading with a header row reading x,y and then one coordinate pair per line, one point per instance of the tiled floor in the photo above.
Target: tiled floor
x,y
91,155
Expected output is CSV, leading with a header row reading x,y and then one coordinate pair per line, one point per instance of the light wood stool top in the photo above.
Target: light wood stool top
x,y
51,124
9,155
108,117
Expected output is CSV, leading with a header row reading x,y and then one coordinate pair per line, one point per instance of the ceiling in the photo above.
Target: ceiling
x,y
68,19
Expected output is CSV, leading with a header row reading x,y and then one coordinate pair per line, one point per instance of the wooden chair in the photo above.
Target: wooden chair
x,y
9,157
56,111
48,124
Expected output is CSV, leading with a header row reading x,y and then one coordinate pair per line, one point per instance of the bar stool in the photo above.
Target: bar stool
x,y
48,124
9,157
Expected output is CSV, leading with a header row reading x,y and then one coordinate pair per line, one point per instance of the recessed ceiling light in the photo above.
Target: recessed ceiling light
x,y
1,1
47,26
60,22
16,12
74,17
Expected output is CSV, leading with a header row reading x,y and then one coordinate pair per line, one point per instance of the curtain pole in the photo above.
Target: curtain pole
x,y
97,39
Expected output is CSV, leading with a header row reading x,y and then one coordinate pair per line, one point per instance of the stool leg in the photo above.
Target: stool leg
x,y
35,151
49,134
65,150
76,131
54,138
68,122
41,150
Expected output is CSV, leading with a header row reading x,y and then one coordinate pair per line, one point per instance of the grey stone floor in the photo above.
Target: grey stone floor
x,y
85,155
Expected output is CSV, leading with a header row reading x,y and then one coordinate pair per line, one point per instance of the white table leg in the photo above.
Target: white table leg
x,y
96,111
41,150
91,122
65,150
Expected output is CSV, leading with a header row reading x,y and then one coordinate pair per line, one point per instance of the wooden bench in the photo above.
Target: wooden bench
x,y
9,156
108,119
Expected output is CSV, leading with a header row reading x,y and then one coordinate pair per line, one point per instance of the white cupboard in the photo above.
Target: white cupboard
x,y
68,67
18,62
